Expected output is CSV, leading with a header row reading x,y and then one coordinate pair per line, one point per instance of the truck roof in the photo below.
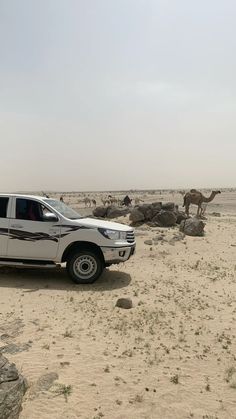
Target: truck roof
x,y
19,195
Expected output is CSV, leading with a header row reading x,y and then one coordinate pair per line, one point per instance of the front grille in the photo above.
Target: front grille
x,y
130,237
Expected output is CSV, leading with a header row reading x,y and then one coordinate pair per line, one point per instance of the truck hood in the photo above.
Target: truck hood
x,y
93,222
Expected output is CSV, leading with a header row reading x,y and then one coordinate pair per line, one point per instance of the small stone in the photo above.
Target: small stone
x,y
148,242
125,303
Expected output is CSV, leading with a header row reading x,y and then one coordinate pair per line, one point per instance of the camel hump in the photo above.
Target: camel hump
x,y
194,191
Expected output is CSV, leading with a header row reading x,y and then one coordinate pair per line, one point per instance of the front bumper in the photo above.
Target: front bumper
x,y
116,255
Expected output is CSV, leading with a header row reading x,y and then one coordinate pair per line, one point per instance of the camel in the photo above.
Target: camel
x,y
127,201
197,198
87,202
106,201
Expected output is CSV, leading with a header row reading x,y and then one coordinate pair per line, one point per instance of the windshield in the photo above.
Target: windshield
x,y
63,209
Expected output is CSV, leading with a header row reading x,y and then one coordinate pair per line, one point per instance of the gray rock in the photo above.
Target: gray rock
x,y
143,209
14,349
125,303
165,218
180,216
148,242
11,329
157,205
168,206
44,383
100,212
149,210
152,224
114,212
136,216
192,227
158,239
12,389
215,214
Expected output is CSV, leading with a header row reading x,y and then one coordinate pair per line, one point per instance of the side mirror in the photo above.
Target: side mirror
x,y
49,216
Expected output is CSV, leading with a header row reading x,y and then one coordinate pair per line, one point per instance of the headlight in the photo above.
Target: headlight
x,y
113,234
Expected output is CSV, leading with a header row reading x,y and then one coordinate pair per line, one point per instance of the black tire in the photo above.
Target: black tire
x,y
84,266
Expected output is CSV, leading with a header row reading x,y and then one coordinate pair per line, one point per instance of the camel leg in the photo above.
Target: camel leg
x,y
187,209
199,211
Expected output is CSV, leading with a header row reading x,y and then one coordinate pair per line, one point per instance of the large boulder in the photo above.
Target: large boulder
x,y
149,210
144,209
100,212
168,206
136,216
114,212
157,206
165,218
12,389
192,227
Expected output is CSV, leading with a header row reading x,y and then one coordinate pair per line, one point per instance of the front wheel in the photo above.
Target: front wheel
x,y
84,266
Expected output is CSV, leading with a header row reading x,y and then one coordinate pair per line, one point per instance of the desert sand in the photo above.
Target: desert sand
x,y
173,355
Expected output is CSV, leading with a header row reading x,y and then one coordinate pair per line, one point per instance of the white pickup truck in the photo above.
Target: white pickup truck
x,y
37,231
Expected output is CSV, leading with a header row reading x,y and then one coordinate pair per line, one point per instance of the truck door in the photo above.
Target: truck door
x,y
31,235
4,224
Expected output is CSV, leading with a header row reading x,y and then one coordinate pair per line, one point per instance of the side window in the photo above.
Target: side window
x,y
3,207
27,209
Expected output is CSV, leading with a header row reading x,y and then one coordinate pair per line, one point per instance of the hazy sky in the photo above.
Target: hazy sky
x,y
117,94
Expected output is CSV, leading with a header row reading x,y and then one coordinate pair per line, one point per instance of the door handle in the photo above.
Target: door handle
x,y
17,226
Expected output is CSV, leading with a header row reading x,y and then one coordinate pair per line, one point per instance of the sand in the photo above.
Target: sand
x,y
173,355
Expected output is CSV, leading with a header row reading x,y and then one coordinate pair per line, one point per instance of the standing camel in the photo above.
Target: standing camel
x,y
87,202
197,198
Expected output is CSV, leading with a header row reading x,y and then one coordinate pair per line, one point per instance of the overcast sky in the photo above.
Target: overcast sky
x,y
117,94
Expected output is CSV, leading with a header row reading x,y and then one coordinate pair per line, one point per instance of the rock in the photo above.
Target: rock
x,y
180,215
152,224
165,218
158,239
149,210
168,206
143,209
157,205
215,214
44,383
12,389
148,242
124,303
136,216
11,329
114,212
100,212
14,349
192,227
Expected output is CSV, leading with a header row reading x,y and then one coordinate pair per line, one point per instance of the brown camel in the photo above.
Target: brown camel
x,y
197,198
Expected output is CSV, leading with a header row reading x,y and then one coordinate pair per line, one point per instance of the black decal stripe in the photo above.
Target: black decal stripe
x,y
4,231
37,236
28,236
71,227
